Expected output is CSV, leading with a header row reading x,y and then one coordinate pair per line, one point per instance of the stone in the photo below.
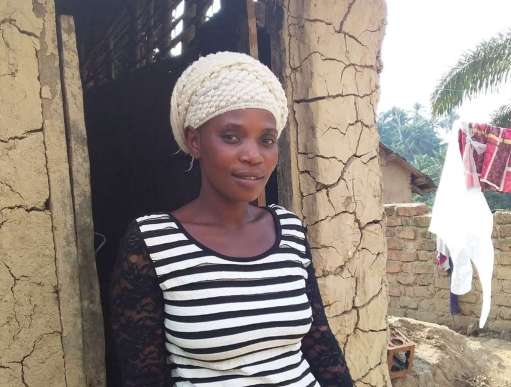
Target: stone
x,y
442,282
423,267
502,259
393,266
392,221
429,256
406,278
470,298
424,279
422,221
390,209
502,217
424,234
423,291
427,245
412,209
395,244
408,302
502,245
504,231
394,290
500,326
398,255
503,272
505,313
502,300
506,286
407,233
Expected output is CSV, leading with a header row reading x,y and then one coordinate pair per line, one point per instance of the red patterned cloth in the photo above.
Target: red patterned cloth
x,y
491,168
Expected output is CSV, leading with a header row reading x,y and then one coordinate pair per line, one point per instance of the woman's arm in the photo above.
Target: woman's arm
x,y
319,346
137,315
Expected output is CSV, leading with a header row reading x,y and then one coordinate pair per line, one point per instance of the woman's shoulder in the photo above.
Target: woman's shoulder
x,y
282,211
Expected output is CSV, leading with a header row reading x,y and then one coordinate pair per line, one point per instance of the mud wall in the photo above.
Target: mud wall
x,y
40,308
329,59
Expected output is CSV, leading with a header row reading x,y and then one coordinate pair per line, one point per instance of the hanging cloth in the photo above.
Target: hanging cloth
x,y
486,151
462,219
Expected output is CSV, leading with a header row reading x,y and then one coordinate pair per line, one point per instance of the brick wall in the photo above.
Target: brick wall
x,y
420,290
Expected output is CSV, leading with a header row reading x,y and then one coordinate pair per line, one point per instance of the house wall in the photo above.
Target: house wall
x,y
329,58
396,182
40,311
420,290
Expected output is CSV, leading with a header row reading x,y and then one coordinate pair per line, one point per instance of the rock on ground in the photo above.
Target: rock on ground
x,y
444,358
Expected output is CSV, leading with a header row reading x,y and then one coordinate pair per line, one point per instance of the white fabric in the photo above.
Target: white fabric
x,y
222,82
462,219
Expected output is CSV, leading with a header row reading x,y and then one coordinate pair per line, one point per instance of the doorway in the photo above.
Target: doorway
x,y
131,54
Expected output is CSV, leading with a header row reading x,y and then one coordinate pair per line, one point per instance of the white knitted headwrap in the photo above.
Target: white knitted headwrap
x,y
221,82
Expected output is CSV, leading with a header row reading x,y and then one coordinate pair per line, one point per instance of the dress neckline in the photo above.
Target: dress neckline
x,y
203,247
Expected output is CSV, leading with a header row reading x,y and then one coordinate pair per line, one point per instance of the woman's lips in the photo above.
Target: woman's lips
x,y
247,180
248,176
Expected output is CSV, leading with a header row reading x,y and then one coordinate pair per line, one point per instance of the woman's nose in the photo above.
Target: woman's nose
x,y
251,153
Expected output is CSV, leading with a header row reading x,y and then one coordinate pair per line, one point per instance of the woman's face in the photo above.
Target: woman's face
x,y
237,151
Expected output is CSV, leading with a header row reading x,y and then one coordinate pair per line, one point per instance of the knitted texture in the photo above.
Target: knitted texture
x,y
222,82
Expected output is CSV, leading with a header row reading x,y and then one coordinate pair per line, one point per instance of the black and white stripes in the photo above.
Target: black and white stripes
x,y
233,321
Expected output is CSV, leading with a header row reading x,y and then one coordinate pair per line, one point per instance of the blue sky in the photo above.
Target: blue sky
x,y
424,38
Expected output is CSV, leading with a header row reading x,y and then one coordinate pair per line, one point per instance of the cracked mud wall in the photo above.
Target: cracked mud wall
x,y
40,320
329,62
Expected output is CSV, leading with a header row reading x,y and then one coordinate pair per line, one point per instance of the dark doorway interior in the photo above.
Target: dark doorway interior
x,y
134,165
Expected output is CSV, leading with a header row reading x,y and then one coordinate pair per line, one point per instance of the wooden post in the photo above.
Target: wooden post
x,y
254,52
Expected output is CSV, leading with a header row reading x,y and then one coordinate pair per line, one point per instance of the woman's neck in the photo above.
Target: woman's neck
x,y
231,214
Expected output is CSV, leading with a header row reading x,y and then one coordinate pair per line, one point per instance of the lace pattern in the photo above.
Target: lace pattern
x,y
137,315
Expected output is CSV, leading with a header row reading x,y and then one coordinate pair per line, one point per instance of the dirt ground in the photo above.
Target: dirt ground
x,y
445,358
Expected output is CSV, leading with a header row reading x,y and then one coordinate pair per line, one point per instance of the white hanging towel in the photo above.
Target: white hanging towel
x,y
462,219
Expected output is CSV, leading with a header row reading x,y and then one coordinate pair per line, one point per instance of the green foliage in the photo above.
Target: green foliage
x,y
502,117
480,70
413,136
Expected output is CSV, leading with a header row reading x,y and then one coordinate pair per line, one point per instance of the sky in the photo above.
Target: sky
x,y
425,38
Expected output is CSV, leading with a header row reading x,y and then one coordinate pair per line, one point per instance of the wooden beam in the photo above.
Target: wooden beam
x,y
254,52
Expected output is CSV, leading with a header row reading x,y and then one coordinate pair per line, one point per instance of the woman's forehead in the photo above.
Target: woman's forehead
x,y
252,117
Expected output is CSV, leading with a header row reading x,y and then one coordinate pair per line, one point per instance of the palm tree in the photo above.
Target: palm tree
x,y
480,70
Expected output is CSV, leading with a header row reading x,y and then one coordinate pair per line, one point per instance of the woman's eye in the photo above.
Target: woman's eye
x,y
230,138
268,141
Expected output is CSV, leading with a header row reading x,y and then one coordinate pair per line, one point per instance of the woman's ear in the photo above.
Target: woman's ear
x,y
192,139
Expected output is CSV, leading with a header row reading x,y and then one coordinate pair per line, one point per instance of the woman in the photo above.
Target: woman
x,y
221,292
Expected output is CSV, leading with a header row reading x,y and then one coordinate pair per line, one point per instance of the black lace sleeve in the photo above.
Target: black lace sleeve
x,y
319,346
137,315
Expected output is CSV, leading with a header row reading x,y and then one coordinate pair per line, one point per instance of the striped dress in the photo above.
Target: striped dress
x,y
232,321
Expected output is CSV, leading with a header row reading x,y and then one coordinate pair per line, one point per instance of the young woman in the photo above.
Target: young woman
x,y
221,292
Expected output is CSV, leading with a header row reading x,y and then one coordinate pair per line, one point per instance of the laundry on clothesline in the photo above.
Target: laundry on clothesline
x,y
461,217
444,261
486,153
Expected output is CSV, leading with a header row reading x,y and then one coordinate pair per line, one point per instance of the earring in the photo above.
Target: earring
x,y
191,164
